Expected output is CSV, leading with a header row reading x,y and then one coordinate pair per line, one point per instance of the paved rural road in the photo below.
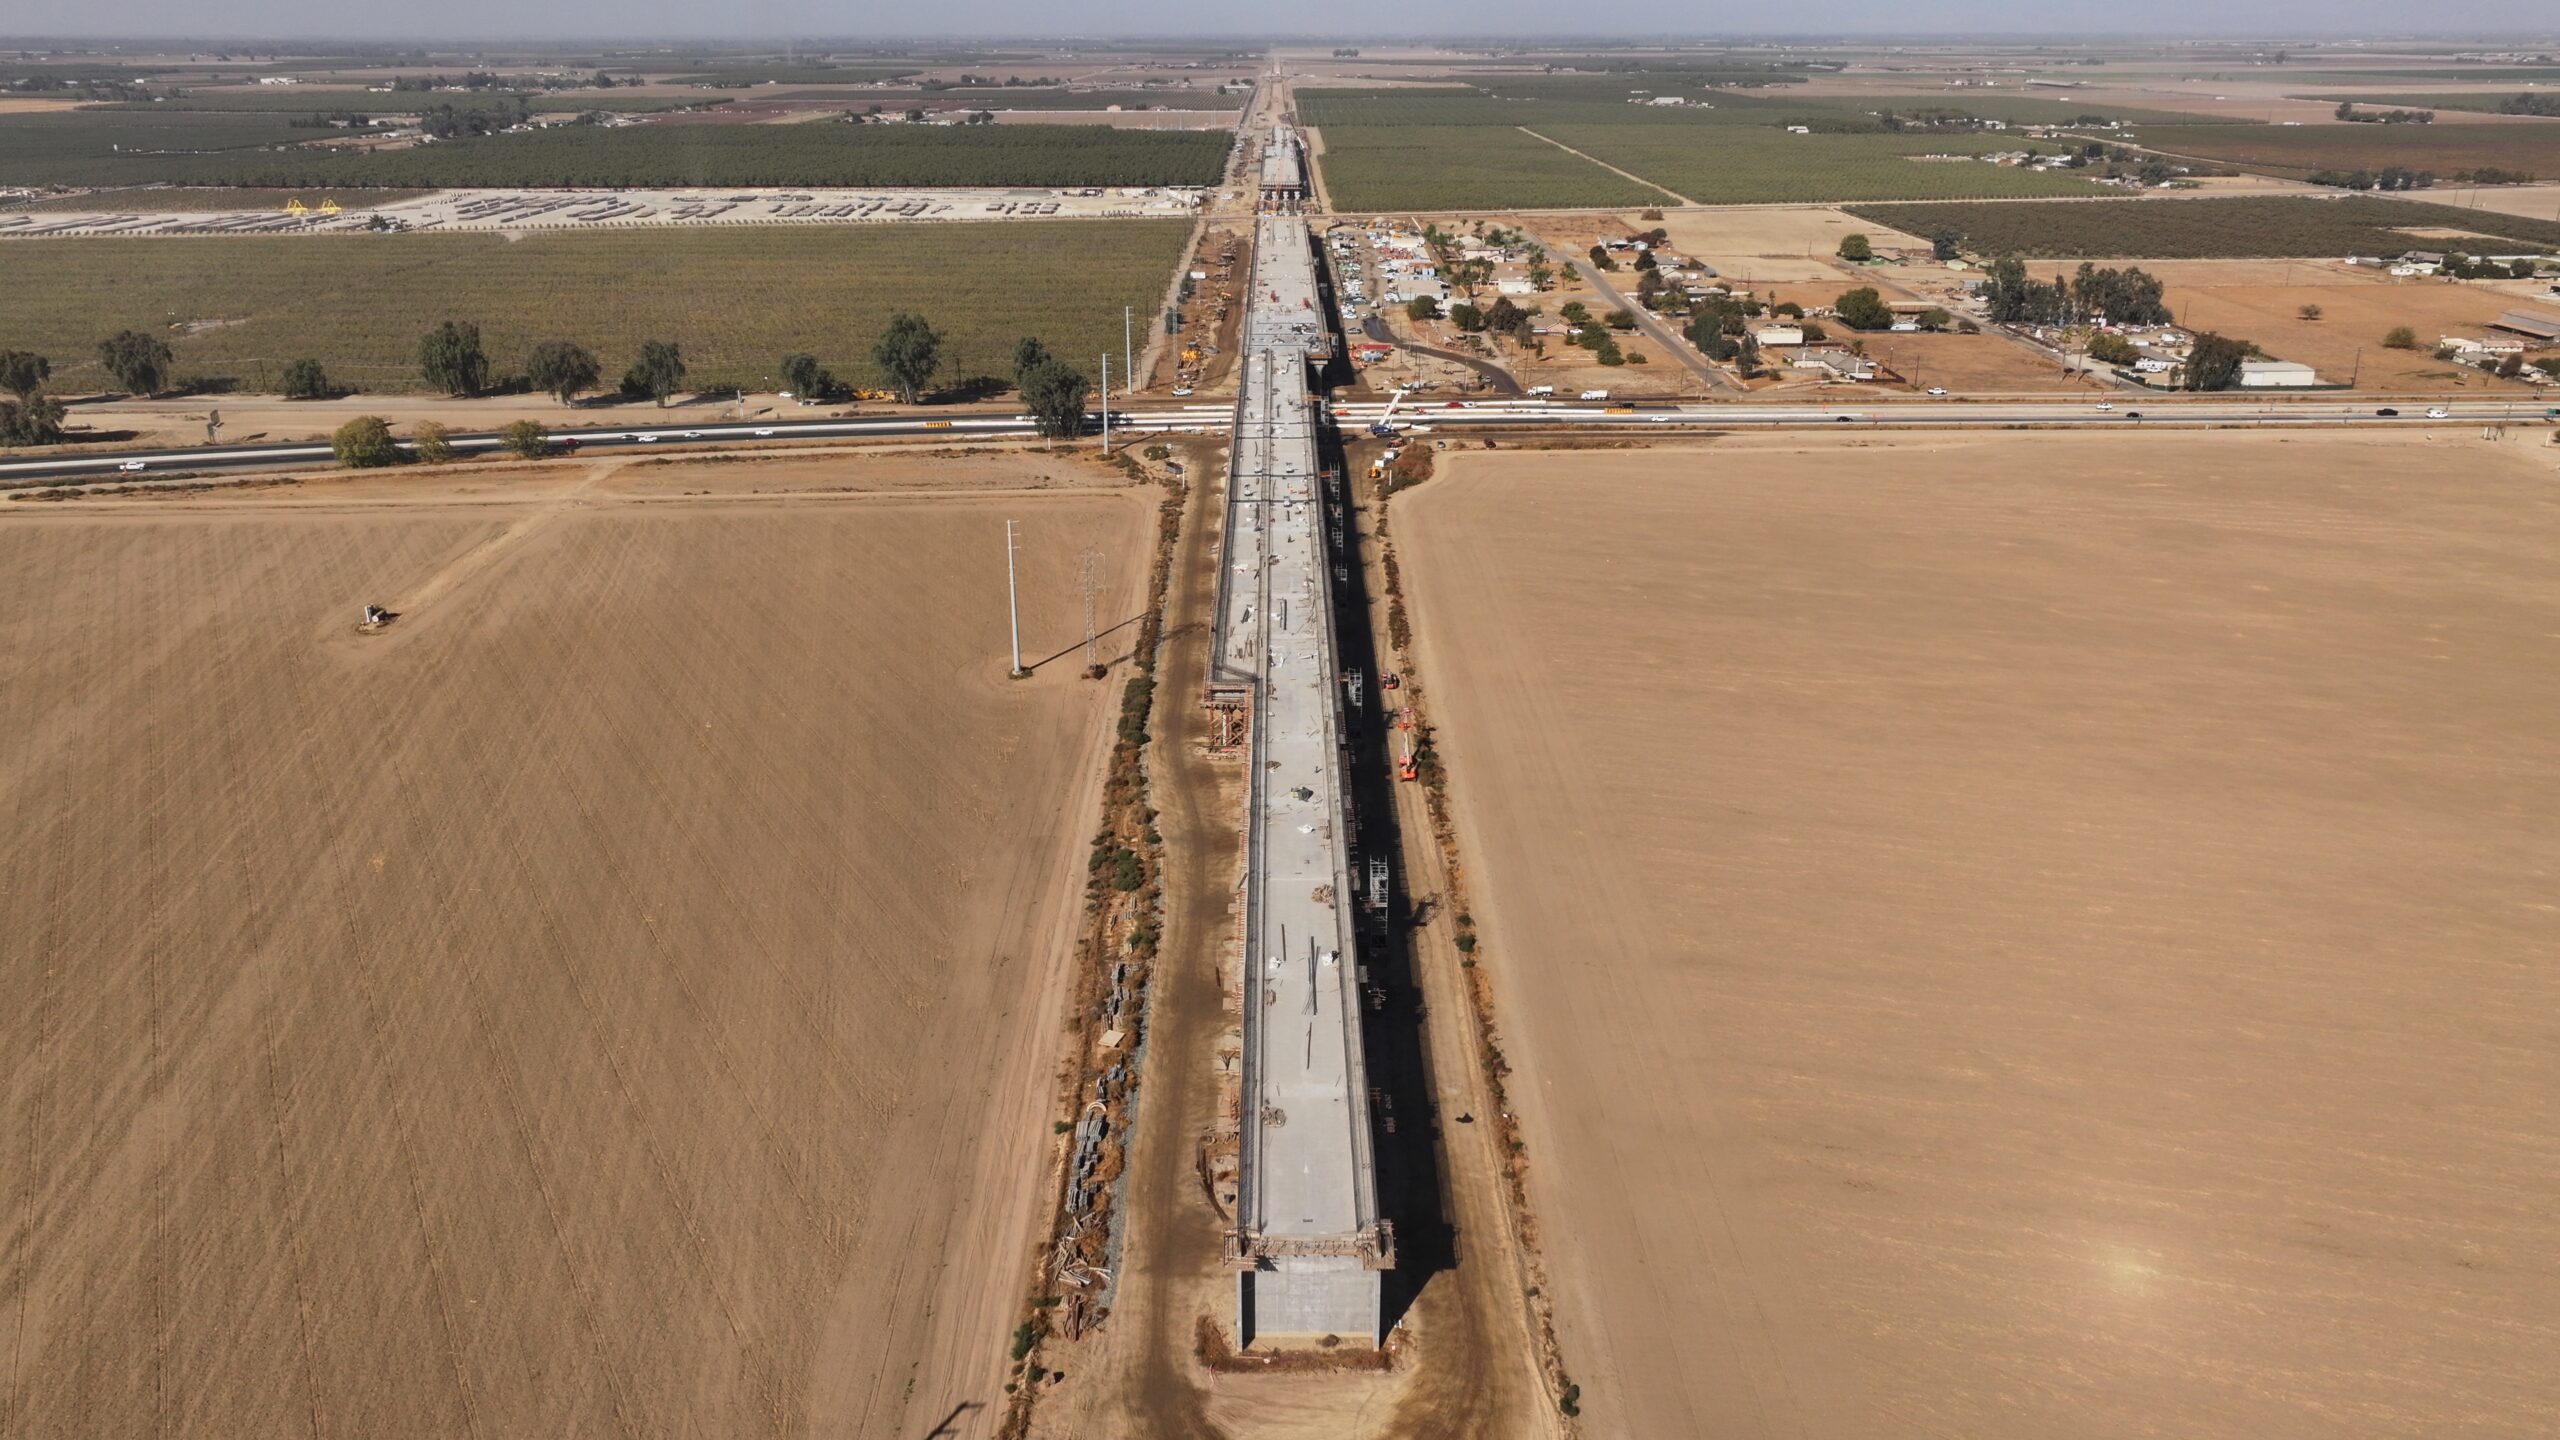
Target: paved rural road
x,y
1494,376
1697,364
1875,412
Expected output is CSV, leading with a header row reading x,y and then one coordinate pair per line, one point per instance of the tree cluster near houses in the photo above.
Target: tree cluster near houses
x,y
2129,296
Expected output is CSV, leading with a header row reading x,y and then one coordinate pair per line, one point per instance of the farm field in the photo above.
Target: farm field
x,y
1968,365
618,999
1008,98
313,100
1409,167
2262,301
188,198
1758,165
1500,103
2468,102
105,147
1775,243
2085,975
2446,148
2239,227
736,301
77,148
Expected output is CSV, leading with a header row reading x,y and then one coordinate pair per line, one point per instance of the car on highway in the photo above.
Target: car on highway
x,y
2387,413
2439,413
1844,418
765,434
132,465
1659,419
646,439
1938,390
693,435
2105,406
2133,414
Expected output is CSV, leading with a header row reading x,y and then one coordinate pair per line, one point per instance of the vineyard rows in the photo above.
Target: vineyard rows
x,y
1756,165
88,147
2523,147
2273,226
735,300
1462,168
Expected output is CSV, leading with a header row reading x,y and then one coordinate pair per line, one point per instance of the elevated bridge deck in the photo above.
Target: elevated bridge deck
x,y
1308,1239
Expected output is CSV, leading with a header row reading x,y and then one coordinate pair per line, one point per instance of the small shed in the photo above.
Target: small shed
x,y
2276,375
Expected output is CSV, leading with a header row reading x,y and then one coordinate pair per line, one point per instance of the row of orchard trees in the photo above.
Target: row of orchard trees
x,y
908,353
454,361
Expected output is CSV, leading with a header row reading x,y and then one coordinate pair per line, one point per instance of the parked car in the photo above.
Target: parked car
x,y
1938,390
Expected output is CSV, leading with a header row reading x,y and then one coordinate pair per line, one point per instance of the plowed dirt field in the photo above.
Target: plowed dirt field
x,y
620,999
2021,935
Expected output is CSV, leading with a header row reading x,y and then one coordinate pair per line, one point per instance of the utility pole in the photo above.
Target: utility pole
x,y
1089,580
1012,600
1128,364
1106,404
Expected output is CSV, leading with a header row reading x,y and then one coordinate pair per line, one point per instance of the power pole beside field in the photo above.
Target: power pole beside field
x,y
1012,599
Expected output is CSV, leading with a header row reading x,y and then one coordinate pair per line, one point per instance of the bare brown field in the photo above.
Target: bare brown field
x,y
2021,935
2262,300
1969,364
619,999
1751,239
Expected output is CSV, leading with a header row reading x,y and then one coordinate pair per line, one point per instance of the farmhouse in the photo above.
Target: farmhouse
x,y
1842,364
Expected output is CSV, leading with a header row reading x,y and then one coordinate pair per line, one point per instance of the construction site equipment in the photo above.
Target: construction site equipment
x,y
1385,428
1407,767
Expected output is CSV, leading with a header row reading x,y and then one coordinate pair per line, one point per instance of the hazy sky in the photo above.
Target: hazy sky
x,y
449,21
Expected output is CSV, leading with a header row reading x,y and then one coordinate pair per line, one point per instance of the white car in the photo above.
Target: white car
x,y
1938,390
1181,390
2439,413
693,435
1660,419
2105,406
646,439
132,465
765,434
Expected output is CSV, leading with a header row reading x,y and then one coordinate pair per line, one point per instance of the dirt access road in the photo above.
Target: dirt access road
x,y
2018,936
622,998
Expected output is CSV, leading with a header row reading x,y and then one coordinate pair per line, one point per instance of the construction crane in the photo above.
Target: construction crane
x,y
1385,428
